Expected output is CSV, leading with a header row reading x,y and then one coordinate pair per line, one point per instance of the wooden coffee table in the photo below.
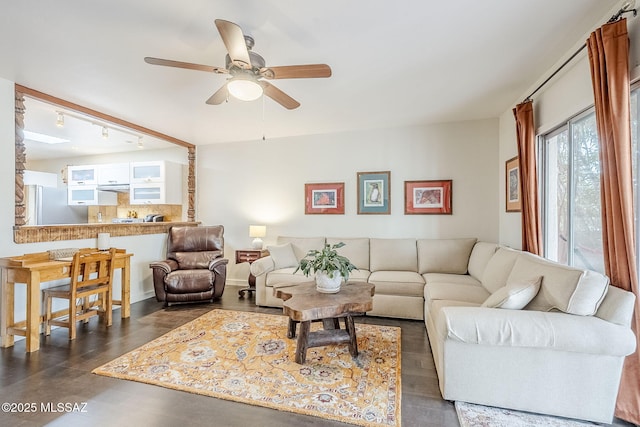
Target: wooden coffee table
x,y
304,304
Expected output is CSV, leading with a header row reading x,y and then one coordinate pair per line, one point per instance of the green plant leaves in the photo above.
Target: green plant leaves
x,y
327,260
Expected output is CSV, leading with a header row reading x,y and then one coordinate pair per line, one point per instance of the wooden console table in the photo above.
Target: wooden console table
x,y
304,304
32,270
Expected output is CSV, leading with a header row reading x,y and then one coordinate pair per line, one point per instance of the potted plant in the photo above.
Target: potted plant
x,y
330,267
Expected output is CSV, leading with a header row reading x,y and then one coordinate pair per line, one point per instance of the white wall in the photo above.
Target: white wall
x,y
567,94
262,182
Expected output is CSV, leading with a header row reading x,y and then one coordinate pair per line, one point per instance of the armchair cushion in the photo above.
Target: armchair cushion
x,y
195,260
188,281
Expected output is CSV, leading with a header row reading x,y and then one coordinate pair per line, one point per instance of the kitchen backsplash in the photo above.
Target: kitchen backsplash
x,y
125,210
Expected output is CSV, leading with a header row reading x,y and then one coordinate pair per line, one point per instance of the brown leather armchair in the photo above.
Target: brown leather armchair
x,y
195,269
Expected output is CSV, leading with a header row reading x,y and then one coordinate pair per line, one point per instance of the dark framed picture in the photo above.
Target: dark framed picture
x,y
374,193
325,198
512,181
427,197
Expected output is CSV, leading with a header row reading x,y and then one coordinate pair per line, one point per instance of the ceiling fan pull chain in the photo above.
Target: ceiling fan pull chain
x,y
263,137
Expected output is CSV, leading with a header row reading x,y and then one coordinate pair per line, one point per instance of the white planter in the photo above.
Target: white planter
x,y
328,284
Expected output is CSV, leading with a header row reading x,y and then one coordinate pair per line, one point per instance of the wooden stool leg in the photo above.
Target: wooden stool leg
x,y
351,329
303,341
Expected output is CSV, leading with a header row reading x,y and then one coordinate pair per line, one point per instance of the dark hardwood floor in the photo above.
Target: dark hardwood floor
x,y
61,373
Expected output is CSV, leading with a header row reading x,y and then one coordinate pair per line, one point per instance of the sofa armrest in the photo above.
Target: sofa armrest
x,y
535,329
262,266
168,265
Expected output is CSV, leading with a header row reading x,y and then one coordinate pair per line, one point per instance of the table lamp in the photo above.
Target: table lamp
x,y
257,232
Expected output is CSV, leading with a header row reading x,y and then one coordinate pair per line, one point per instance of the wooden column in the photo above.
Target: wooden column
x,y
191,184
21,159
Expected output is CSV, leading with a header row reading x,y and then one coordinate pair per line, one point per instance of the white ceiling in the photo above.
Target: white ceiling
x,y
394,63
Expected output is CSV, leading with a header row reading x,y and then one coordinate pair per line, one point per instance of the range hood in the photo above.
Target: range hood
x,y
116,188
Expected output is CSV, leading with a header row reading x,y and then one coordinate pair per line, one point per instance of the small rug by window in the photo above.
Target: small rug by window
x,y
472,415
247,357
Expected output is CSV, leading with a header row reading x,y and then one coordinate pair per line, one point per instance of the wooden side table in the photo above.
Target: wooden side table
x,y
249,255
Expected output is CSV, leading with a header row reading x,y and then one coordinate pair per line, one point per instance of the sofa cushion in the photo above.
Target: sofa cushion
x,y
462,279
467,293
563,288
195,260
498,269
393,255
285,275
515,296
302,245
404,283
359,275
536,329
444,255
282,256
479,258
357,250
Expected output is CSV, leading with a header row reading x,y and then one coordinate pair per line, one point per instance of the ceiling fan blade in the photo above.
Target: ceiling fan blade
x,y
219,97
233,39
187,65
309,71
279,96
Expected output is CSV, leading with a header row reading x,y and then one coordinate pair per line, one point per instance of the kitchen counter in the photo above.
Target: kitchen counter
x,y
50,233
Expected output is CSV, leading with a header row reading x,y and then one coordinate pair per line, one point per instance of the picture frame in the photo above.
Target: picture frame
x,y
428,197
513,197
324,198
374,193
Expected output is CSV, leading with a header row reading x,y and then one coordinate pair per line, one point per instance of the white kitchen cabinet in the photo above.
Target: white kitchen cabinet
x,y
158,183
82,175
88,195
113,173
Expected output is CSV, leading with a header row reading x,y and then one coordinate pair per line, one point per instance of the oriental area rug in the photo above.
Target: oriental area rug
x,y
472,415
247,357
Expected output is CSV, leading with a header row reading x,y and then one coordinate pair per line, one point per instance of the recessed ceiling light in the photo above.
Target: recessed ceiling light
x,y
41,137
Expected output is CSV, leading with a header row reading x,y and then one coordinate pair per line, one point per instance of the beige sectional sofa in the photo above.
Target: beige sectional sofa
x,y
506,328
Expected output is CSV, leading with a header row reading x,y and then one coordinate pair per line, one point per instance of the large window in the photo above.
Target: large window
x,y
571,189
572,224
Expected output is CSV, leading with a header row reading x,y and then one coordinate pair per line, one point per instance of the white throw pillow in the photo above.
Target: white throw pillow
x,y
515,295
283,256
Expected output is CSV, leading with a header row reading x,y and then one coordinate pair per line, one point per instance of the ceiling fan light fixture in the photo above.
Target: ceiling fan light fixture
x,y
244,89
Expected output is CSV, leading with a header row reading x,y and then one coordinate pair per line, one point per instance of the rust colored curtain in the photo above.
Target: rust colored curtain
x,y
531,230
608,49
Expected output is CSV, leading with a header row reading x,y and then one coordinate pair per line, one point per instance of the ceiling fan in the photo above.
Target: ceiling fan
x,y
248,70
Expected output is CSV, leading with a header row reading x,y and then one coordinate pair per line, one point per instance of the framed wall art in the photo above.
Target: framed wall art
x,y
325,198
374,193
427,197
512,180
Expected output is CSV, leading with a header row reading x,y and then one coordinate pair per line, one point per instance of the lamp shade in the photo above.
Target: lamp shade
x,y
257,230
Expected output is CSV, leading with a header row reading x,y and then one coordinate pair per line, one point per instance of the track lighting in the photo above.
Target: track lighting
x,y
105,132
140,145
60,120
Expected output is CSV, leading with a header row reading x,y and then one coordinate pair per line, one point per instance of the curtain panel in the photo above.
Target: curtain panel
x,y
608,49
526,135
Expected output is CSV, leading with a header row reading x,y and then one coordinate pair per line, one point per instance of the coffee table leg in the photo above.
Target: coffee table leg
x,y
303,340
291,331
351,329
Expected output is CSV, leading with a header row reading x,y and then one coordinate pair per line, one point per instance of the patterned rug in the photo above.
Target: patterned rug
x,y
472,415
246,357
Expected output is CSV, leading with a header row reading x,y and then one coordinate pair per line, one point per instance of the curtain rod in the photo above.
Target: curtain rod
x,y
625,9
